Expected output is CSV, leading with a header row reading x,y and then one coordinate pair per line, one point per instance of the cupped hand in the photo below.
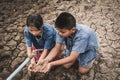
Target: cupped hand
x,y
31,67
46,68
40,65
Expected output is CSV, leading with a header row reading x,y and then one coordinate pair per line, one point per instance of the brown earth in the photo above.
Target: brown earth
x,y
103,16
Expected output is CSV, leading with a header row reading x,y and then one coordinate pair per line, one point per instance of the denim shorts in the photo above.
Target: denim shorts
x,y
87,57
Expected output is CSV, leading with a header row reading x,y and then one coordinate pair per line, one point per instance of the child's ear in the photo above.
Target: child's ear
x,y
73,29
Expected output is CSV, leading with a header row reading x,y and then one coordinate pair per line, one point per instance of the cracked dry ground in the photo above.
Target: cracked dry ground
x,y
103,16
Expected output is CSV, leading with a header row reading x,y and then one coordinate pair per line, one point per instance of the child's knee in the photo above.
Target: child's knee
x,y
83,70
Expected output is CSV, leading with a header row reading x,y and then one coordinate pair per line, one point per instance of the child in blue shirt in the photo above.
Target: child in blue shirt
x,y
38,36
81,44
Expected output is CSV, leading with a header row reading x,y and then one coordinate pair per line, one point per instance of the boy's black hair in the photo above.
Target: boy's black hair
x,y
34,20
65,21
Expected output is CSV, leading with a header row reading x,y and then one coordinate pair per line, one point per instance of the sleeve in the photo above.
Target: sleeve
x,y
59,39
27,38
80,43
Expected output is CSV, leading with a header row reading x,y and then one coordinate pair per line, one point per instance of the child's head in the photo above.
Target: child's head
x,y
65,23
35,23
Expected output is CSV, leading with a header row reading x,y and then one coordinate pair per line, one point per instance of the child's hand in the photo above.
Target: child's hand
x,y
40,62
31,67
40,65
46,68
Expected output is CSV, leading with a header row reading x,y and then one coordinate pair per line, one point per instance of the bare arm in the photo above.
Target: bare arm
x,y
29,52
53,52
43,55
71,58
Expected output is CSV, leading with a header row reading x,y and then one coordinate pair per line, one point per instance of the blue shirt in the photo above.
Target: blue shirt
x,y
47,40
84,42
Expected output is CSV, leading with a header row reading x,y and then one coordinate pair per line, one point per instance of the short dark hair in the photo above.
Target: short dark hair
x,y
34,20
65,21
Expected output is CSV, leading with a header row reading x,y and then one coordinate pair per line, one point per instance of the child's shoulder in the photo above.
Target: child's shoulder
x,y
47,25
83,28
26,29
48,28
